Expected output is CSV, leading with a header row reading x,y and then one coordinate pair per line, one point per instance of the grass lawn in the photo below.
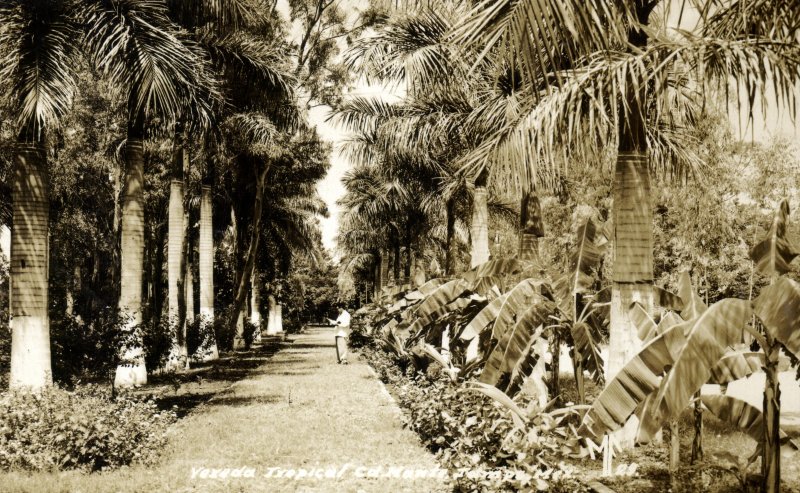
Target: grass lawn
x,y
293,410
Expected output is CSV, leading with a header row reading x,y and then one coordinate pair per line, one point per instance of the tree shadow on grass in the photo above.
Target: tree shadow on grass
x,y
308,345
184,391
234,400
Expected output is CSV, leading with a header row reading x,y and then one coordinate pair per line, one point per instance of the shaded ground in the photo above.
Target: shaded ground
x,y
296,410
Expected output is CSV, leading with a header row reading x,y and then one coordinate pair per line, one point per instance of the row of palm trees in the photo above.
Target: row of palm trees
x,y
507,94
211,72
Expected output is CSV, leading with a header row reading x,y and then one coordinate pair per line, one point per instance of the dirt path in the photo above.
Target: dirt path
x,y
299,414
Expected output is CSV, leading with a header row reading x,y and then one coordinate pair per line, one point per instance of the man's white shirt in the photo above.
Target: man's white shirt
x,y
343,322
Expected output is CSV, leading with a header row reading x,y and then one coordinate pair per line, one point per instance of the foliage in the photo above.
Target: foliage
x,y
311,293
471,434
90,351
57,429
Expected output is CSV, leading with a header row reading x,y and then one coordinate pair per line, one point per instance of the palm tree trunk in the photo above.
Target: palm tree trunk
x,y
633,223
255,305
244,277
480,227
208,346
176,240
158,277
30,326
279,318
188,292
131,370
384,270
531,226
272,327
450,213
376,286
396,260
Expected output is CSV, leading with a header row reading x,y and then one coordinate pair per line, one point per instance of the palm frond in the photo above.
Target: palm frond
x,y
141,50
37,67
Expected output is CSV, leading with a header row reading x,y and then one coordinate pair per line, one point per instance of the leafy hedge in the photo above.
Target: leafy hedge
x,y
84,430
473,436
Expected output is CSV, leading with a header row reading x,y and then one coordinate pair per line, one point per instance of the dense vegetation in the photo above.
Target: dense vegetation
x,y
158,174
590,141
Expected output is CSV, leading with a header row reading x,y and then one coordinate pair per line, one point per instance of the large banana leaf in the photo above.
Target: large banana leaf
x,y
486,316
527,364
629,388
774,253
431,286
732,366
586,347
399,305
668,320
516,301
693,306
455,305
646,327
735,366
584,258
441,296
778,307
707,340
667,299
738,412
486,285
415,295
513,343
499,267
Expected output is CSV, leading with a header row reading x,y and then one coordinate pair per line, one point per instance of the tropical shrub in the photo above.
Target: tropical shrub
x,y
83,429
474,436
90,351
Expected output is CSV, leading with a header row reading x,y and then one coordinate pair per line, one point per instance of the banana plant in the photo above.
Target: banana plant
x,y
697,351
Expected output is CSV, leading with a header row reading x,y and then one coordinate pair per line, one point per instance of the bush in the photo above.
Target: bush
x,y
90,351
472,435
84,351
223,331
57,429
249,333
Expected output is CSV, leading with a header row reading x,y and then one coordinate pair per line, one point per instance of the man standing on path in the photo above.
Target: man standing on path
x,y
343,327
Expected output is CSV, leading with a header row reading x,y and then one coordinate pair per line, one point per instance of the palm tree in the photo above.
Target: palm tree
x,y
235,36
208,345
37,40
447,110
138,47
176,258
597,73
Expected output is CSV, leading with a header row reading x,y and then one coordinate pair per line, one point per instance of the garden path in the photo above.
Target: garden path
x,y
298,410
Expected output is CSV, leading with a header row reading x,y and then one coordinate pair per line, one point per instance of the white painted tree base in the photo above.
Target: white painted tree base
x,y
130,375
30,353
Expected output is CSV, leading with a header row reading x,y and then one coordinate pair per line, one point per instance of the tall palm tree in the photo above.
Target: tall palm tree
x,y
447,110
176,258
37,41
139,48
599,73
236,36
208,345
